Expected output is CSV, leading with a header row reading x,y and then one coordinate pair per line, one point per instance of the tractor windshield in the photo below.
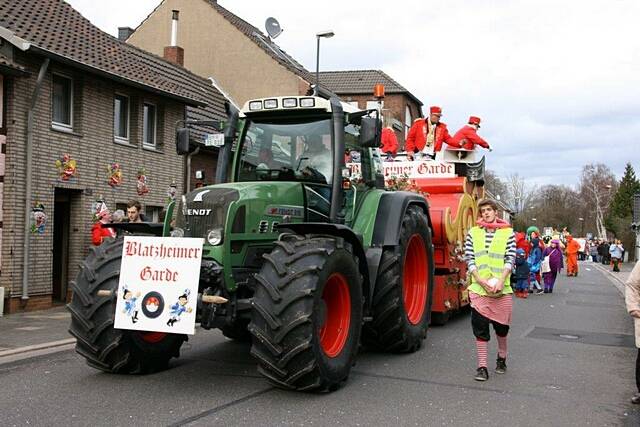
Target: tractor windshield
x,y
286,150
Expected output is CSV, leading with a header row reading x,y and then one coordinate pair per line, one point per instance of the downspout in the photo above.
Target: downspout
x,y
27,199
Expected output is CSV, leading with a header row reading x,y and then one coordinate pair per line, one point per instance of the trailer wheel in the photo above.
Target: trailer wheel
x,y
307,313
92,316
402,297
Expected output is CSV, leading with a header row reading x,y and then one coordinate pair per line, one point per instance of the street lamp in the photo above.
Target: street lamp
x,y
326,35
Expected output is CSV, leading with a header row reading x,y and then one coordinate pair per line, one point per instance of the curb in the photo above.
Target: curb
x,y
36,347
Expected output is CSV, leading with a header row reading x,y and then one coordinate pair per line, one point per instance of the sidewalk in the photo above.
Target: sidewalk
x,y
34,330
619,279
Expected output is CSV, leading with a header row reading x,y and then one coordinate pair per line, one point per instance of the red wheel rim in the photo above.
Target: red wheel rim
x,y
152,337
414,279
335,330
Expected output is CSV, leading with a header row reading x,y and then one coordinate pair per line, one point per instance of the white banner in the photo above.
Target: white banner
x,y
413,170
158,286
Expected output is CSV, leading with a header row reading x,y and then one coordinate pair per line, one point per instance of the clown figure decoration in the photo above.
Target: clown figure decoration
x,y
115,174
141,184
179,307
38,219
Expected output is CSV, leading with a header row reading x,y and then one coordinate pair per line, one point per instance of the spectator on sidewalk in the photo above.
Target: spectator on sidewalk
x,y
555,264
616,252
632,298
133,211
490,249
606,258
593,251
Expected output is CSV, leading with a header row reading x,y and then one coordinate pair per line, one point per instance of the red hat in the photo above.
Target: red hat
x,y
473,120
435,110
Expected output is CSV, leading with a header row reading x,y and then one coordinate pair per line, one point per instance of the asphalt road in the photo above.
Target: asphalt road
x,y
571,362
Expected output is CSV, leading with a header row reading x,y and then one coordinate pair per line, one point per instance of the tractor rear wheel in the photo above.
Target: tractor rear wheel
x,y
307,313
403,293
92,317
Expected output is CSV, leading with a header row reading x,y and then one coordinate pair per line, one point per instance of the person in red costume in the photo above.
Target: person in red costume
x,y
98,233
389,144
467,137
427,135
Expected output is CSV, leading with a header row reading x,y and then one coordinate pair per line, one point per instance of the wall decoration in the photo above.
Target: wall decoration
x,y
172,191
38,219
67,167
141,185
115,174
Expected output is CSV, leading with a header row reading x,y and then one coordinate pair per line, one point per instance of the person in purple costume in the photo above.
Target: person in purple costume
x,y
555,262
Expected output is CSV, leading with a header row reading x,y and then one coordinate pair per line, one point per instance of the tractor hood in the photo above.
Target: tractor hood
x,y
250,207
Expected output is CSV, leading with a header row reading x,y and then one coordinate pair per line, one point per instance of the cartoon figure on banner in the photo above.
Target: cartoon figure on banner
x,y
38,219
130,304
180,307
67,167
115,174
141,185
172,191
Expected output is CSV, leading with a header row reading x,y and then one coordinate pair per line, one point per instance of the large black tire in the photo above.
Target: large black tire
x,y
399,322
307,289
92,316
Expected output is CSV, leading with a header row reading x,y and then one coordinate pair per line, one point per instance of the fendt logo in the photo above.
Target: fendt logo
x,y
198,212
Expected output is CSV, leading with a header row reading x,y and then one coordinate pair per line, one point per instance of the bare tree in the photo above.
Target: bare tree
x,y
494,185
597,187
520,194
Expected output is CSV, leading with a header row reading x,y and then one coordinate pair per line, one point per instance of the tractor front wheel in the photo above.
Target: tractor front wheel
x,y
307,313
403,293
92,316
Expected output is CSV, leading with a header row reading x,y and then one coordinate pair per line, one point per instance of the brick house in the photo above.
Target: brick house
x,y
98,100
400,106
219,44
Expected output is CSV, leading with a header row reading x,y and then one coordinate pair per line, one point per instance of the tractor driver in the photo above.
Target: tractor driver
x,y
315,161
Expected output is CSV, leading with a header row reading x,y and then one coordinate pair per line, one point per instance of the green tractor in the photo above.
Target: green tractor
x,y
303,257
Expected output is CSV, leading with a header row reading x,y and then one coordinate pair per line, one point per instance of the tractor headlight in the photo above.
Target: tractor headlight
x,y
177,232
214,237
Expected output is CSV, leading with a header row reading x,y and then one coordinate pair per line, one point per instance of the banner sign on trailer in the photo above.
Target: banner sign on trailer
x,y
413,170
158,287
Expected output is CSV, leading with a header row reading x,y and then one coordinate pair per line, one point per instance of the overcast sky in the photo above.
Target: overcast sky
x,y
556,83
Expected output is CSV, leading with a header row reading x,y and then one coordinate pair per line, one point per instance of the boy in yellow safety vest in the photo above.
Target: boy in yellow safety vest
x,y
490,250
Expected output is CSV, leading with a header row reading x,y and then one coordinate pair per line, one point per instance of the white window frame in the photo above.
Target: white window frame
x,y
118,138
372,105
152,212
63,126
146,144
408,119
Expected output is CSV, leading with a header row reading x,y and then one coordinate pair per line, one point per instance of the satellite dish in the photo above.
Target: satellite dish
x,y
273,27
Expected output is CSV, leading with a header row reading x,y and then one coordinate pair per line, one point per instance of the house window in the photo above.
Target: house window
x,y
150,120
373,105
154,213
121,118
62,117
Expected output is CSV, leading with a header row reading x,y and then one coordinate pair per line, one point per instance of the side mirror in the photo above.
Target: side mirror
x,y
369,132
182,141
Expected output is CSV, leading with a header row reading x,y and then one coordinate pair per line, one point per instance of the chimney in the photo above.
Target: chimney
x,y
124,33
173,52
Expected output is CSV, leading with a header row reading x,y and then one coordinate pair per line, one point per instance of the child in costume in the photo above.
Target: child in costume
x,y
521,274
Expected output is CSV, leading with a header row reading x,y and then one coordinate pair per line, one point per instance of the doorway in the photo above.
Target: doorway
x,y
61,234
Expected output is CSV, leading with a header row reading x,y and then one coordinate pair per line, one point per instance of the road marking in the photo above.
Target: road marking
x,y
29,328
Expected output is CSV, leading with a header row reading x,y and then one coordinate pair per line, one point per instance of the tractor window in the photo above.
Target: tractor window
x,y
287,151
